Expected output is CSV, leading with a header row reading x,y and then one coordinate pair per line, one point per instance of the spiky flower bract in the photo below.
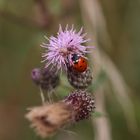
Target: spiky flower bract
x,y
60,48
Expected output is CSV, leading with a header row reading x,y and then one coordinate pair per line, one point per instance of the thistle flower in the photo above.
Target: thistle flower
x,y
46,78
59,49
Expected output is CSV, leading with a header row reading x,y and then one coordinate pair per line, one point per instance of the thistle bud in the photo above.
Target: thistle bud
x,y
46,78
79,80
36,75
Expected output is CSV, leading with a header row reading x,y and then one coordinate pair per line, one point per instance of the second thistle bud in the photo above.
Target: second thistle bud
x,y
46,78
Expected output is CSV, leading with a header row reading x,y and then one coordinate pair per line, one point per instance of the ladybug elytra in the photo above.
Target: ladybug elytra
x,y
79,63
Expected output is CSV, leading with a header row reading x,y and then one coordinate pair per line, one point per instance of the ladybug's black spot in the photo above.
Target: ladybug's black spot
x,y
83,61
80,66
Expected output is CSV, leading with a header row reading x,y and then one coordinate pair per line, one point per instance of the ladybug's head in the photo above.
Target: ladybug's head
x,y
75,58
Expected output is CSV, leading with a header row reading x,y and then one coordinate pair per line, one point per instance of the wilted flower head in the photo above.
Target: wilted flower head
x,y
50,118
60,48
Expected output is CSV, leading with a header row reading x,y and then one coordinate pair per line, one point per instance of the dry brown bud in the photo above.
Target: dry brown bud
x,y
49,118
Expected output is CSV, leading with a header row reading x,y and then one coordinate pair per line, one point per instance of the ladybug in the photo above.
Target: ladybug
x,y
79,63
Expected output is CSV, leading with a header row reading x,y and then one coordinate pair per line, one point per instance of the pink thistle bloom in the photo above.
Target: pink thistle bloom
x,y
60,48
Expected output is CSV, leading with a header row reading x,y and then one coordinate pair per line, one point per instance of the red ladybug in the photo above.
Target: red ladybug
x,y
79,63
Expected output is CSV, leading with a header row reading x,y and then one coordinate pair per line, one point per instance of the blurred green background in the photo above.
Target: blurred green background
x,y
23,25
